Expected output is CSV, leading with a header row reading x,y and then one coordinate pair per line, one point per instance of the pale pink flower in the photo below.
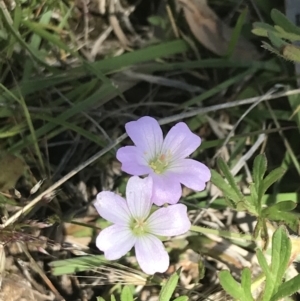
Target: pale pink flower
x,y
134,226
164,160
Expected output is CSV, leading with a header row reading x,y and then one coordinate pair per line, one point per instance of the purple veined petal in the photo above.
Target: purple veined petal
x,y
191,173
138,196
180,141
170,221
147,135
115,241
166,189
133,161
112,207
151,254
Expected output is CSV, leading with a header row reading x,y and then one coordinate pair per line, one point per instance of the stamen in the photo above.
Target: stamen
x,y
160,163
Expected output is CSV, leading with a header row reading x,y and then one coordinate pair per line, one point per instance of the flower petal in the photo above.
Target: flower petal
x,y
138,195
166,189
180,141
147,135
115,241
112,207
151,254
191,173
170,221
133,161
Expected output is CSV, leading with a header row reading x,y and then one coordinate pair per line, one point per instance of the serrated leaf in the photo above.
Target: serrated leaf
x,y
230,285
271,49
126,294
272,177
281,20
287,289
169,288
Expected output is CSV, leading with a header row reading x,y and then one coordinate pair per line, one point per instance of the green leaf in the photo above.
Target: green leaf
x,y
281,252
227,174
288,218
263,263
53,39
259,168
78,264
219,182
281,33
263,28
271,49
287,289
112,298
236,33
282,206
276,41
269,282
100,299
126,294
169,288
281,20
272,177
231,286
217,89
254,198
158,21
246,284
291,52
182,298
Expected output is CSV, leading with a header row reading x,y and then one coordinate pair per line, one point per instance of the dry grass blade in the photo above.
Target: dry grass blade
x,y
114,23
110,274
38,269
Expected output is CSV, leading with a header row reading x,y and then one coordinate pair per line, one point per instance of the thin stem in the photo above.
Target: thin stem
x,y
223,233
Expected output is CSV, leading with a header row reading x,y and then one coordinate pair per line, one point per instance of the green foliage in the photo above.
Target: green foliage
x,y
283,30
78,264
238,291
274,273
126,294
169,287
158,21
274,286
255,205
34,110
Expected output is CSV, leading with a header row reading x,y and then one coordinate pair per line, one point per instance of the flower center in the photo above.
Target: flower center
x,y
138,227
159,164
